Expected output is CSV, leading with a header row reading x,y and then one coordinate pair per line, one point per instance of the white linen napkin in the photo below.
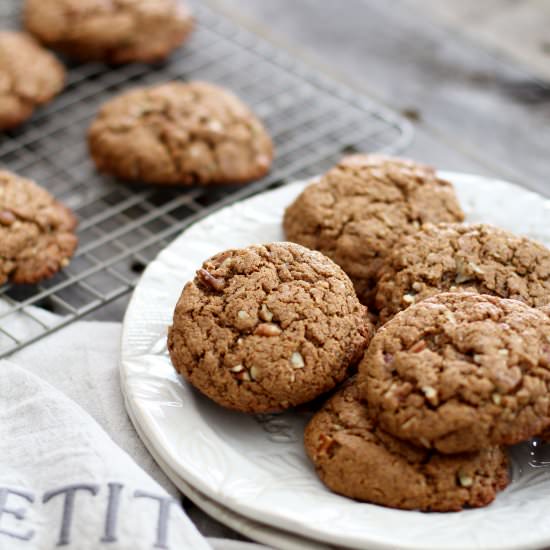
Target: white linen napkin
x,y
81,361
73,471
63,482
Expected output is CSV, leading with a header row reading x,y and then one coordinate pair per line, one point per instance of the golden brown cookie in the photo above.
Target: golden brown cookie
x,y
459,372
180,133
267,327
360,208
29,76
473,258
115,31
355,458
36,231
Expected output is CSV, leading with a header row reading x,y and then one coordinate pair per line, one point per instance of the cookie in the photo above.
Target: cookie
x,y
36,231
460,372
359,209
114,31
29,76
474,258
267,327
180,133
355,458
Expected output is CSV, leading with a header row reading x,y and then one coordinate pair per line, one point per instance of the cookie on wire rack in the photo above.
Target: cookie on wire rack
x,y
180,134
37,235
117,31
30,76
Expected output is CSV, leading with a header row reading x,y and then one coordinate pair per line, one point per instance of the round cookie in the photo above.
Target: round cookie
x,y
267,327
475,258
180,133
36,231
114,31
360,208
460,372
355,458
29,76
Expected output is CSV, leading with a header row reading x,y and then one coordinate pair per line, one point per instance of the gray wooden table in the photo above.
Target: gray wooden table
x,y
470,75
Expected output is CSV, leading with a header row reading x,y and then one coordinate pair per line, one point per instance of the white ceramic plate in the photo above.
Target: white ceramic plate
x,y
256,465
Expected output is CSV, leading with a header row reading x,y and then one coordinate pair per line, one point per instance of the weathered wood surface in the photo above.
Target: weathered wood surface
x,y
477,109
518,29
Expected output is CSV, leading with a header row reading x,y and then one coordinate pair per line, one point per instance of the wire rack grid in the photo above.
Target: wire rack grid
x,y
312,120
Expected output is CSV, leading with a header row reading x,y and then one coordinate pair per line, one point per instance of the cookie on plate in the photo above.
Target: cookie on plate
x,y
267,327
460,372
359,209
475,258
355,458
29,76
114,31
36,231
180,133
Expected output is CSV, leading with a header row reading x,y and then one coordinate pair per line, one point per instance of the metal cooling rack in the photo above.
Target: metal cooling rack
x,y
312,119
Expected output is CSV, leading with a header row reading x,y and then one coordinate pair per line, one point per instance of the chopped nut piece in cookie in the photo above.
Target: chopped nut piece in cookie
x,y
465,480
243,376
267,329
419,346
430,393
297,360
324,444
7,217
265,314
207,279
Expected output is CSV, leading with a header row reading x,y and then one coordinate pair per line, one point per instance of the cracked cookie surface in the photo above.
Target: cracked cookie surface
x,y
358,210
115,31
473,258
29,76
36,231
180,133
355,458
459,372
267,327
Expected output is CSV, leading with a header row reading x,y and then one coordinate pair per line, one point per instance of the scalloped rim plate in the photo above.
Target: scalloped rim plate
x,y
256,465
